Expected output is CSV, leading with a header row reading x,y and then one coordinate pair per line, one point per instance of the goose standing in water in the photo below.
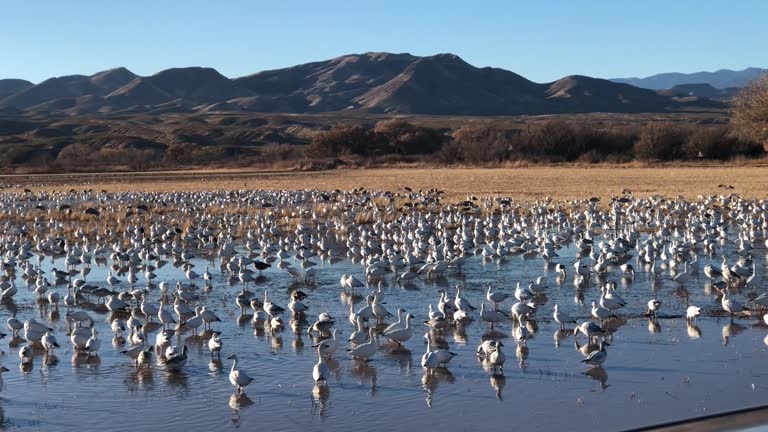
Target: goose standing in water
x,y
597,357
358,336
692,312
653,307
175,363
93,344
329,346
49,343
429,359
397,324
238,378
402,335
497,358
26,354
495,297
164,315
215,344
730,305
562,318
485,348
367,350
321,371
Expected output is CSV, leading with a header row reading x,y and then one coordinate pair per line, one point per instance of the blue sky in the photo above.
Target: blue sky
x,y
541,40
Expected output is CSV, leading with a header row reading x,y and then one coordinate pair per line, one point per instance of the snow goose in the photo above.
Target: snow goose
x,y
485,348
329,346
597,357
495,297
589,329
215,344
164,315
491,316
14,325
366,350
208,317
730,305
49,343
26,354
118,327
497,358
397,324
149,310
175,363
358,336
601,313
238,378
562,318
93,344
429,359
321,371
692,312
520,332
402,335
653,307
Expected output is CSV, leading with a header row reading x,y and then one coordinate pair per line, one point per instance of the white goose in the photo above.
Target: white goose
x,y
321,371
329,346
238,378
402,335
366,350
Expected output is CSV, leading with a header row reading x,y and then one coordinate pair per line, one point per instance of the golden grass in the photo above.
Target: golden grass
x,y
566,182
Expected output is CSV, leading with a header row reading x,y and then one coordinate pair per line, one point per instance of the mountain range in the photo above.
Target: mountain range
x,y
722,79
441,84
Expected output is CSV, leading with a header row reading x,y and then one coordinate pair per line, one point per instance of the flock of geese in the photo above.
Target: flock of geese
x,y
405,237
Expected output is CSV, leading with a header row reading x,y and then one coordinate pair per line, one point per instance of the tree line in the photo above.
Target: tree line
x,y
547,141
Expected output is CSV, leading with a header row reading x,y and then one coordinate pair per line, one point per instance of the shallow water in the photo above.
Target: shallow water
x,y
654,373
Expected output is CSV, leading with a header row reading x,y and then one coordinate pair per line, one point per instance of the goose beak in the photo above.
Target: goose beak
x,y
231,357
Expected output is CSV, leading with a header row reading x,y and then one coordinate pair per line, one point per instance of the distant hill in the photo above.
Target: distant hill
x,y
700,90
721,79
10,86
441,84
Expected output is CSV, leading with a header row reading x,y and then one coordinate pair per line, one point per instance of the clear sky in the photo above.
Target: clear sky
x,y
541,40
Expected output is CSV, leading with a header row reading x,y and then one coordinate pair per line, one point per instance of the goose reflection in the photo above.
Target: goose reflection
x,y
335,367
561,335
298,343
694,331
237,402
432,379
178,380
404,358
522,355
498,381
215,366
244,319
15,341
365,373
50,359
598,374
320,398
654,326
730,330
460,334
276,342
140,378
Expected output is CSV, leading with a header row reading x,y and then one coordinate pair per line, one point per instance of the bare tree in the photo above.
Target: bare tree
x,y
749,111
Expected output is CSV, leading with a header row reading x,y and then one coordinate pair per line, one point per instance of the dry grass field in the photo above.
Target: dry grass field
x,y
521,183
